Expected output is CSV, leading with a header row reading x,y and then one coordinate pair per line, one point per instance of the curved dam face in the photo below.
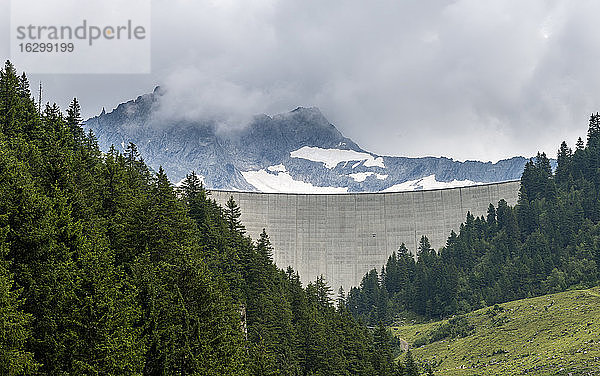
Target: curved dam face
x,y
343,236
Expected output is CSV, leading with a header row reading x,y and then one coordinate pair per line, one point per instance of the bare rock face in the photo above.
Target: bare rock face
x,y
255,155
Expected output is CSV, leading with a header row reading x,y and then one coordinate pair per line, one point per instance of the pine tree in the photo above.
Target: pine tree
x,y
543,165
9,99
264,250
410,366
390,275
323,292
593,137
564,160
341,299
73,120
525,215
132,155
382,357
233,214
491,216
192,187
27,114
424,249
24,91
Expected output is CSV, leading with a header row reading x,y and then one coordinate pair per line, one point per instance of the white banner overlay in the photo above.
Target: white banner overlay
x,y
75,36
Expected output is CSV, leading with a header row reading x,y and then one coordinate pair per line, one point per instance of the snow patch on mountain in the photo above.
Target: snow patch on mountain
x,y
332,157
381,177
374,162
360,176
428,182
283,182
277,168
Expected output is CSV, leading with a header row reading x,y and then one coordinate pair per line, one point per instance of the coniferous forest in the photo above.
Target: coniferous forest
x,y
547,243
107,269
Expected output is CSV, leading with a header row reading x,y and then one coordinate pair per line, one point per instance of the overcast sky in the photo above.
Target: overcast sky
x,y
465,79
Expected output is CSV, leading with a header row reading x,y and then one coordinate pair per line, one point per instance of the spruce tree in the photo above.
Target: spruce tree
x,y
593,136
233,214
424,248
564,161
264,250
382,357
341,299
410,366
73,120
9,99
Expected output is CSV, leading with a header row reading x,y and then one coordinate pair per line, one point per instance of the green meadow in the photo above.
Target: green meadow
x,y
556,334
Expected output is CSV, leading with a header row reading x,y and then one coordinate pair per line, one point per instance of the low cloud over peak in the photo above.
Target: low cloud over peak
x,y
464,79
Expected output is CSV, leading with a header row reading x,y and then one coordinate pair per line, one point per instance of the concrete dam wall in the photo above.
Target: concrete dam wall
x,y
343,236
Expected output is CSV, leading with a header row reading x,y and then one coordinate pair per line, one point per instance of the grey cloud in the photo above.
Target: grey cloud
x,y
189,95
465,79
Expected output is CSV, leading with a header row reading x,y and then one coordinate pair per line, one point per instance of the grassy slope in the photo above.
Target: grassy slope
x,y
550,335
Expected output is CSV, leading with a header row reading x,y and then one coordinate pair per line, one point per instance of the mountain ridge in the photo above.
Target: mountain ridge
x,y
310,153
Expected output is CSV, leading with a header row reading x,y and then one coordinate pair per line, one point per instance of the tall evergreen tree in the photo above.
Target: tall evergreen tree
x,y
73,120
593,136
564,161
233,214
383,351
410,366
9,99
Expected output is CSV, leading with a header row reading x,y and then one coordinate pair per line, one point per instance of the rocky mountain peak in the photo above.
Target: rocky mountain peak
x,y
296,150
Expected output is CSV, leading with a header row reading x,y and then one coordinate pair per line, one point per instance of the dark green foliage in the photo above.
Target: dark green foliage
x,y
73,120
410,366
549,242
106,268
233,213
383,351
593,136
15,325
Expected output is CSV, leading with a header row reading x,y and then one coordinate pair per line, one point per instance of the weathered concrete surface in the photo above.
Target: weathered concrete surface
x,y
343,236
